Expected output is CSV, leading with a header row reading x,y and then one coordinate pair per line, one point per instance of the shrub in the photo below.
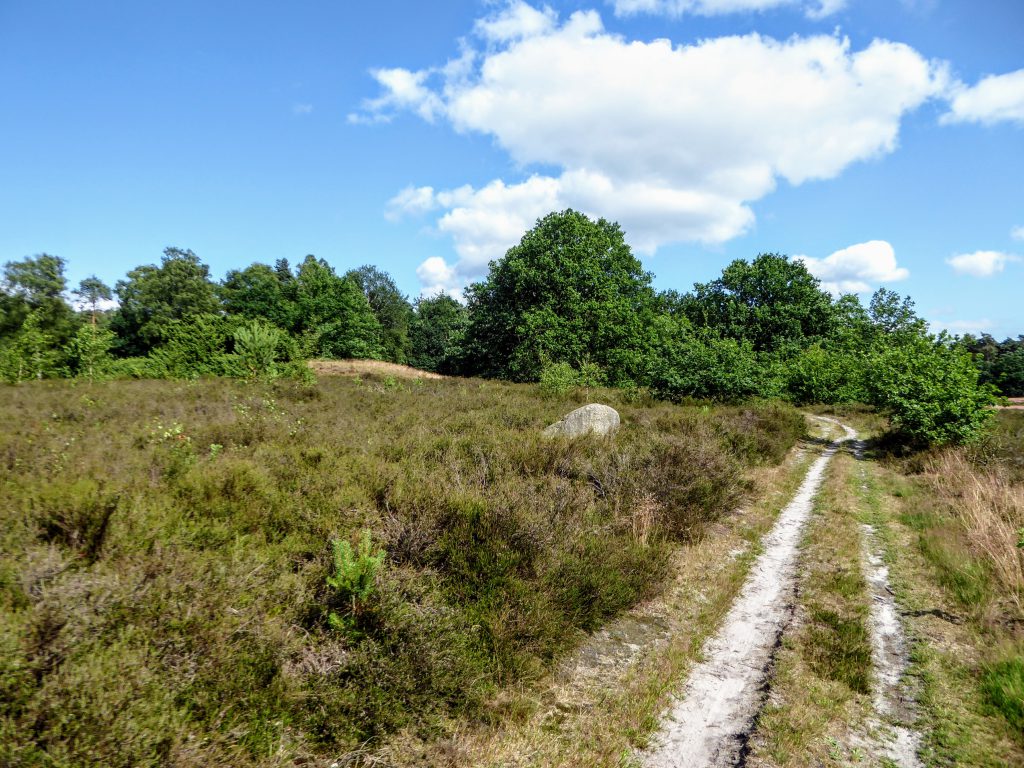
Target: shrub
x,y
256,348
930,388
355,572
557,379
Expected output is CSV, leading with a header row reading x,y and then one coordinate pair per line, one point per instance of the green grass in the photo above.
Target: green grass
x,y
165,549
1002,682
839,648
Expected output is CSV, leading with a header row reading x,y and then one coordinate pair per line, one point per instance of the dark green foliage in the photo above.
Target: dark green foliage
x,y
89,352
164,569
36,279
437,334
771,303
196,347
335,318
152,299
571,292
1000,363
33,287
391,308
704,366
930,387
260,292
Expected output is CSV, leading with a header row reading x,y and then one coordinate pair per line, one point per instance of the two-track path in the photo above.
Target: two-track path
x,y
711,719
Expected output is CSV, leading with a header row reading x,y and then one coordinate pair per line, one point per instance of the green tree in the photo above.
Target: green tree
x,y
36,278
895,316
1008,370
91,291
335,318
32,353
391,308
571,292
89,352
260,292
703,366
256,346
929,385
36,285
153,298
196,346
771,302
437,334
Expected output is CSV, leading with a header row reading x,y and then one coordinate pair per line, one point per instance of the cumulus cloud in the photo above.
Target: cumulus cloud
x,y
672,141
856,269
676,8
517,20
993,99
302,109
436,276
402,90
1017,233
981,263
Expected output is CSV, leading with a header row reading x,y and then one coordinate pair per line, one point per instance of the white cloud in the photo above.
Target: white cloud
x,y
302,109
993,99
436,276
981,263
517,20
856,269
403,90
672,141
676,8
103,305
1017,233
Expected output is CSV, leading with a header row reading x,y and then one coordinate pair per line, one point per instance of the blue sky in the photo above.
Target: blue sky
x,y
883,141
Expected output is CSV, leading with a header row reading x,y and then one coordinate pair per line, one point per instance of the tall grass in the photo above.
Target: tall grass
x,y
970,523
166,555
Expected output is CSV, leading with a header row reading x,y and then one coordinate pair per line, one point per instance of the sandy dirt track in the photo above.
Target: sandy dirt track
x,y
709,723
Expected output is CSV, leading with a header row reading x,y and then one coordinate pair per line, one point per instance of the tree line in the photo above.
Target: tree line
x,y
570,305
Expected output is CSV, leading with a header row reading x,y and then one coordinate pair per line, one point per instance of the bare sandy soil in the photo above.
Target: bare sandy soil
x,y
1016,404
711,719
365,367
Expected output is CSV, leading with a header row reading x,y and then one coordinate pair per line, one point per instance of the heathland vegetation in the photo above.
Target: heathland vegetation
x,y
569,304
210,557
231,573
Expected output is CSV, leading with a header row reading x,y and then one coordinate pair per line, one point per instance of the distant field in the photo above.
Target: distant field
x,y
169,594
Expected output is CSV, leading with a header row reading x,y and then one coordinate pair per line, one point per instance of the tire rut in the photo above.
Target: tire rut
x,y
711,720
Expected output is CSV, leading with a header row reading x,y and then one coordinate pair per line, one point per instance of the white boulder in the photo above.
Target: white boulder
x,y
593,419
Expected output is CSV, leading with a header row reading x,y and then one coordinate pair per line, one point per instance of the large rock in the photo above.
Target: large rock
x,y
594,419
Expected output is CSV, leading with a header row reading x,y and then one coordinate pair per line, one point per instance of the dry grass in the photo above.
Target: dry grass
x,y
990,507
369,367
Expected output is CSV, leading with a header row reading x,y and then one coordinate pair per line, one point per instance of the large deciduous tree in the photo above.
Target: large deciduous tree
x,y
261,292
772,303
334,316
437,334
153,298
391,308
571,291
